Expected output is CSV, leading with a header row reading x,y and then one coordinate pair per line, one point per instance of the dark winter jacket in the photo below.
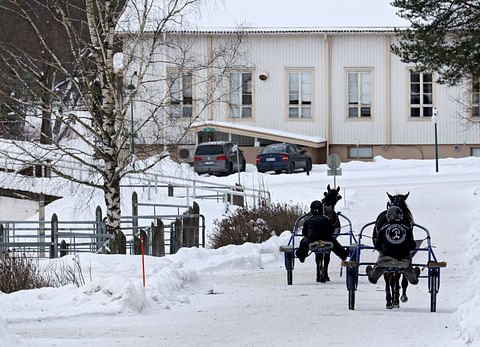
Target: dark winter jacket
x,y
394,240
318,227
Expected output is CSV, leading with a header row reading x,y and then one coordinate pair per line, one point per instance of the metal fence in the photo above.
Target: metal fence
x,y
54,238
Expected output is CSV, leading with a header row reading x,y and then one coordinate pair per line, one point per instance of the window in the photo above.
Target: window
x,y
421,94
181,96
476,97
300,95
240,95
360,152
476,152
359,94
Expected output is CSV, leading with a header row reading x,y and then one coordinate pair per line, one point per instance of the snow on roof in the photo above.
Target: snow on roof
x,y
249,130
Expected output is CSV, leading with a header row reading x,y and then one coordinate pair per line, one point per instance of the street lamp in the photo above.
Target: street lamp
x,y
131,88
434,119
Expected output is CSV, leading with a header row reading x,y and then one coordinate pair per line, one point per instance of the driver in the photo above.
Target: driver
x,y
318,227
394,242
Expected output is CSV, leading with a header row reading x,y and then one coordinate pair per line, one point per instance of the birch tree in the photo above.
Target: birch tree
x,y
112,46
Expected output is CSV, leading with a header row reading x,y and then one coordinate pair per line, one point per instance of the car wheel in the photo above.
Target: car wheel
x,y
308,166
291,167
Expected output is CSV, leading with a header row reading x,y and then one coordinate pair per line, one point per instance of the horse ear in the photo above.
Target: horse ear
x,y
390,196
338,189
328,187
406,195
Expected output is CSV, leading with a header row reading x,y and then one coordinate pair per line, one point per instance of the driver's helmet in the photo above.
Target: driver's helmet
x,y
394,214
316,206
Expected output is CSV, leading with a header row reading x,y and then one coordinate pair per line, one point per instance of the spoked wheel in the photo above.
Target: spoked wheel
x,y
351,288
289,277
433,279
289,267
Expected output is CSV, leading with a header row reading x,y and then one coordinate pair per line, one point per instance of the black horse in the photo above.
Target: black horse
x,y
322,259
392,278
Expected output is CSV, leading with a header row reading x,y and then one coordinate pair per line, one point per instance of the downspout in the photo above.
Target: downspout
x,y
388,90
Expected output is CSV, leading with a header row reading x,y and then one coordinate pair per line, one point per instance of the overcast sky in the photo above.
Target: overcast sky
x,y
300,13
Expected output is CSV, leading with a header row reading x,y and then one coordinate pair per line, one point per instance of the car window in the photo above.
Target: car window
x,y
229,147
273,149
290,149
210,149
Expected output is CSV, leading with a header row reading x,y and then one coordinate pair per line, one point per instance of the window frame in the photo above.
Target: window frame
x,y
421,94
181,103
359,106
475,104
240,88
352,148
311,106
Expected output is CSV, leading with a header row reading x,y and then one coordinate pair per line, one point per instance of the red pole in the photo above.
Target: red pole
x,y
143,263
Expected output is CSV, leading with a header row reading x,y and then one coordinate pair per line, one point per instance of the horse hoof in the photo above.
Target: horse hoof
x,y
404,298
389,306
396,305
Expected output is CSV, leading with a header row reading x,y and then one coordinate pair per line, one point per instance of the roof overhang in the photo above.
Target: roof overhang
x,y
264,133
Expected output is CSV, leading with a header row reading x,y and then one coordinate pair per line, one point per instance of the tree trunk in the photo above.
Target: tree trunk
x,y
112,196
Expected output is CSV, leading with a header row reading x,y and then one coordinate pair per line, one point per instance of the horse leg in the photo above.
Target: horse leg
x,y
388,295
404,297
326,261
396,290
319,261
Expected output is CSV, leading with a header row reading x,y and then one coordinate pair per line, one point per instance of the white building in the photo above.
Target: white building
x,y
331,91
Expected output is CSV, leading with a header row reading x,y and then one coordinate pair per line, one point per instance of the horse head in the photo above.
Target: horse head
x,y
400,201
331,196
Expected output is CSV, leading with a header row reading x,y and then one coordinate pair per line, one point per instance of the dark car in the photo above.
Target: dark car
x,y
219,157
283,157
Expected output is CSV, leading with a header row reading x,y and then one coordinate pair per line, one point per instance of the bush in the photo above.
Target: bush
x,y
255,224
18,272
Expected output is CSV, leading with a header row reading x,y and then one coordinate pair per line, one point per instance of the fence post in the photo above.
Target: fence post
x,y
98,226
158,239
170,189
134,213
2,240
54,237
137,243
178,234
41,224
195,224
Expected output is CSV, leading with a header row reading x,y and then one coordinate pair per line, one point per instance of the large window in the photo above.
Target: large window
x,y
300,94
476,97
360,152
421,94
240,95
359,94
181,96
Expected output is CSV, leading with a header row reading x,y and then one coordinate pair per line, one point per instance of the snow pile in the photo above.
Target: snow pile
x,y
467,312
114,282
6,338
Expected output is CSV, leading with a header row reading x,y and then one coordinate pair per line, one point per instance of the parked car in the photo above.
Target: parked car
x,y
219,157
283,157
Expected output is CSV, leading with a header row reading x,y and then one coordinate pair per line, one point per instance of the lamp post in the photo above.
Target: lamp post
x,y
131,88
434,119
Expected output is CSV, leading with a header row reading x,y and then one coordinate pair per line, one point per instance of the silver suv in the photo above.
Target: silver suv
x,y
219,157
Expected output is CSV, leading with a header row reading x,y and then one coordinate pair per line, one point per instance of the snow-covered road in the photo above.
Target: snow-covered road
x,y
233,306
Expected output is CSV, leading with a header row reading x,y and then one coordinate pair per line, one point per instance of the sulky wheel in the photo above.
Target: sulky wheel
x,y
289,267
433,287
351,288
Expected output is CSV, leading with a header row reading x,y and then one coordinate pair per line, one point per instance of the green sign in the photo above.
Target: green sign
x,y
333,161
334,172
209,130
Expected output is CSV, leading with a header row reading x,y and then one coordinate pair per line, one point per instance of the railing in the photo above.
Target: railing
x,y
49,239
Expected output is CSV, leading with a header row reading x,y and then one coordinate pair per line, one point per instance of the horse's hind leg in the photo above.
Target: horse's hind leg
x,y
396,290
319,261
326,261
404,297
388,294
